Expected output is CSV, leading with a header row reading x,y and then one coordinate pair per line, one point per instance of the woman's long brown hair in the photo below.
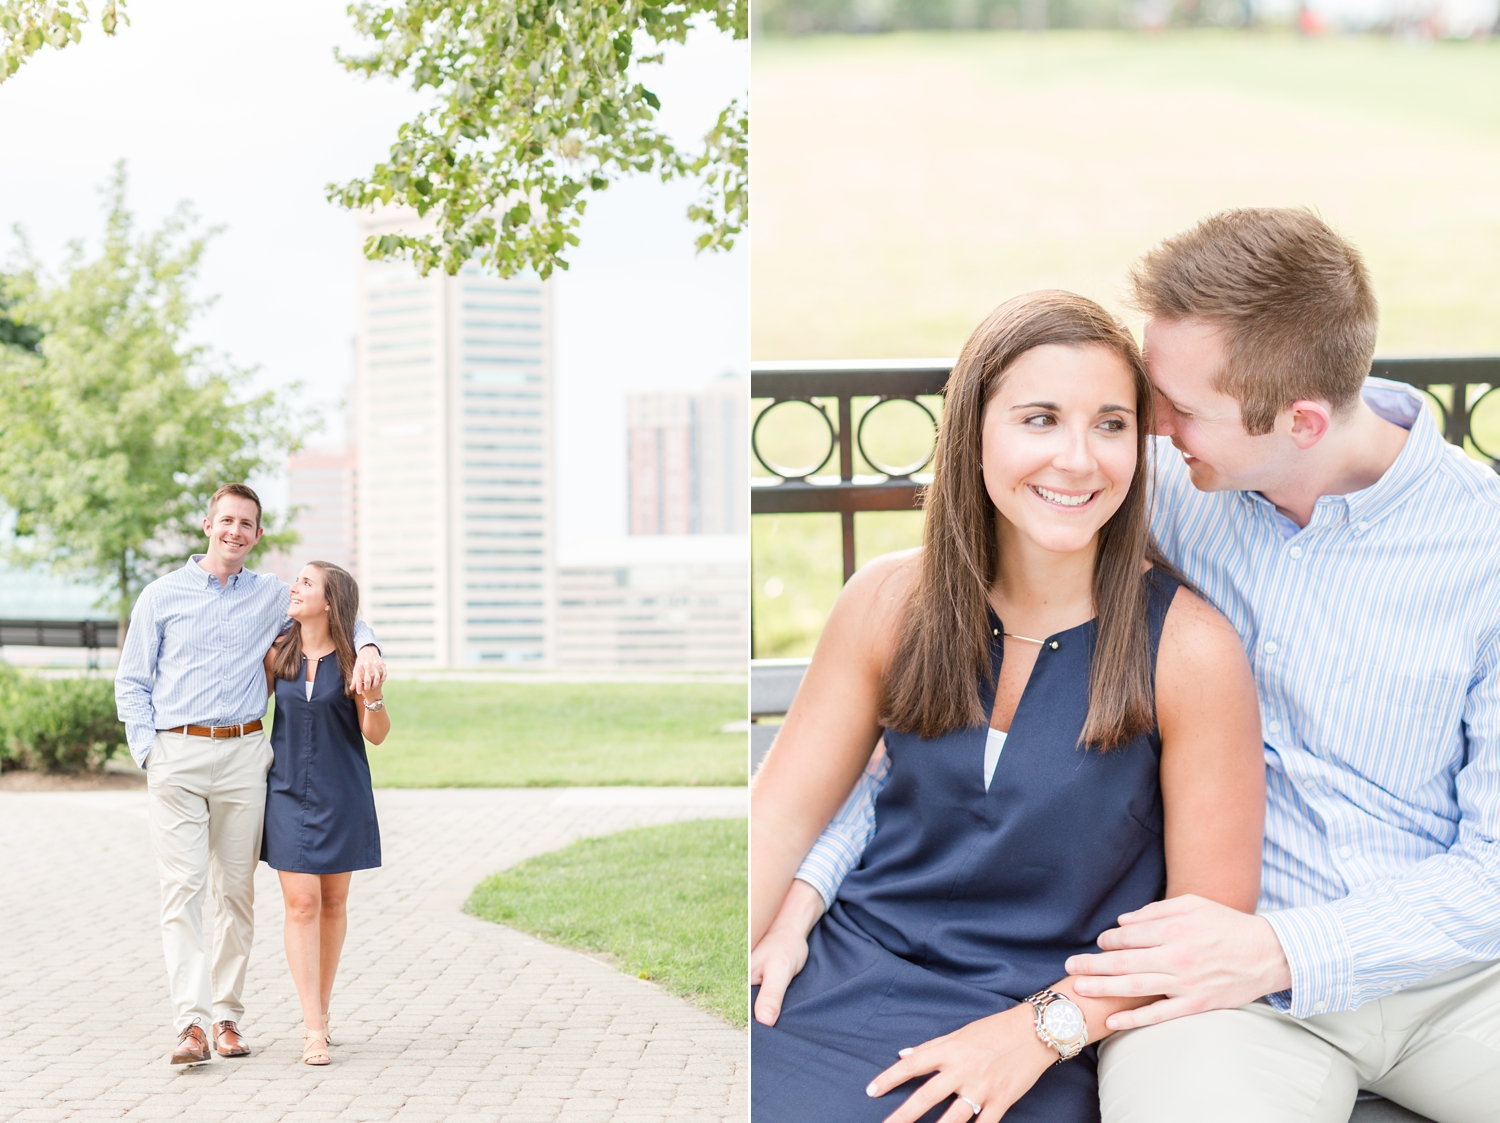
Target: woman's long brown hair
x,y
933,686
342,593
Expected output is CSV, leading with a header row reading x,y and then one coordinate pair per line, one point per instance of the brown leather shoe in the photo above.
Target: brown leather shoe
x,y
228,1042
192,1047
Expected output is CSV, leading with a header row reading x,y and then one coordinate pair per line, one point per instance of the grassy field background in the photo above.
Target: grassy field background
x,y
905,184
516,734
663,903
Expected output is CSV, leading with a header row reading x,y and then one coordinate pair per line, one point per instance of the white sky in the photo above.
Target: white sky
x,y
242,110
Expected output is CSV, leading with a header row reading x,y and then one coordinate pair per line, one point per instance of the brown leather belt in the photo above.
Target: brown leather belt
x,y
217,730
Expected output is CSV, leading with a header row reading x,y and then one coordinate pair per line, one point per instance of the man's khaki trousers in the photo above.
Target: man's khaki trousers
x,y
1433,1048
208,807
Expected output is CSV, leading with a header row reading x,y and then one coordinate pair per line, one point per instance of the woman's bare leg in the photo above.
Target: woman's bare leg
x,y
303,895
333,924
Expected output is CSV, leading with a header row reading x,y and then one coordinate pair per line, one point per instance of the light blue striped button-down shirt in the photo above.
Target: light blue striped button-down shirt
x,y
193,652
1374,634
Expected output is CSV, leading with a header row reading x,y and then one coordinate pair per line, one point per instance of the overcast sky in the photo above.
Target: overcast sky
x,y
242,110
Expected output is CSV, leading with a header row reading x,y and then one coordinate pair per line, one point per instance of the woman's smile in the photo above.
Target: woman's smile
x,y
1067,499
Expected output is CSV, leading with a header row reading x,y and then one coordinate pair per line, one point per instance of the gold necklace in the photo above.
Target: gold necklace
x,y
1039,642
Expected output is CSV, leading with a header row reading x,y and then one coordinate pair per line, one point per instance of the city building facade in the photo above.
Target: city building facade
x,y
689,460
654,603
453,421
322,491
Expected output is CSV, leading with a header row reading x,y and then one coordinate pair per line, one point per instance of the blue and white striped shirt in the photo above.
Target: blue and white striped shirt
x,y
193,652
1374,635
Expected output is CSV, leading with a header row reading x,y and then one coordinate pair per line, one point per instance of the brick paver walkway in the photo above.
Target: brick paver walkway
x,y
436,1015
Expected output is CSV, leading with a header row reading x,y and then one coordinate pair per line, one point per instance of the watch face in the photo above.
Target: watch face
x,y
1063,1020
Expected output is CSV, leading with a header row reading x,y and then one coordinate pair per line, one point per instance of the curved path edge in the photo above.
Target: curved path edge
x,y
437,1015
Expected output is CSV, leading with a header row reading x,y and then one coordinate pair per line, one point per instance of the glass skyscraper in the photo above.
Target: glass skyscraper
x,y
453,419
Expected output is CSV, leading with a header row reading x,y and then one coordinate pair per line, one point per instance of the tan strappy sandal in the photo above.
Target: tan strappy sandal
x,y
315,1047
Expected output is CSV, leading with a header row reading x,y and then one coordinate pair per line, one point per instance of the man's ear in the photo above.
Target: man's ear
x,y
258,532
208,527
1310,420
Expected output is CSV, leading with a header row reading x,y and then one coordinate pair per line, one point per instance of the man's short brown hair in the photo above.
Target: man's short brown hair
x,y
239,491
1293,299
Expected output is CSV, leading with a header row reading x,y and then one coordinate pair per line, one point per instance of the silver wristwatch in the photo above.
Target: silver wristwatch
x,y
1059,1023
376,706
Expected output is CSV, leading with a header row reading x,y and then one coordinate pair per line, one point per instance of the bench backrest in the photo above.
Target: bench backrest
x,y
773,685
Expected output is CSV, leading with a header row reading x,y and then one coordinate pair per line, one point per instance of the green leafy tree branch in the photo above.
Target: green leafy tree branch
x,y
26,26
115,430
538,103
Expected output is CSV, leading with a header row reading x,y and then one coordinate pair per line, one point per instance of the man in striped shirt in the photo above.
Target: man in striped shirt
x,y
191,690
1358,556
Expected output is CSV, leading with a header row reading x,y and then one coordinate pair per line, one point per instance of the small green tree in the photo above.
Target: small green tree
x,y
538,103
115,432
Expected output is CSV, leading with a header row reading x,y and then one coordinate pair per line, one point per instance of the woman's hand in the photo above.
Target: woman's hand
x,y
993,1062
373,724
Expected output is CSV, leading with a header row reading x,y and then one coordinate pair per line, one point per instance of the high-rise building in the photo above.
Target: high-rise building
x,y
689,460
322,489
453,410
654,602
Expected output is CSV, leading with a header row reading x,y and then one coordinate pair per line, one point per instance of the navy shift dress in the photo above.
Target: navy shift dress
x,y
967,901
320,809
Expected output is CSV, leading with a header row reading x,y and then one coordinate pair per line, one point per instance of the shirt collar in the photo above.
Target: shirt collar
x,y
1401,405
204,577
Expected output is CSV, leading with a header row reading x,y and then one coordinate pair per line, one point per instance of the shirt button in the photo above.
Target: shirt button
x,y
1295,551
1274,726
1360,528
1346,851
1269,647
1319,1006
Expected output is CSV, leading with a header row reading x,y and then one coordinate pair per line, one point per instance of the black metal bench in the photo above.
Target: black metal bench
x,y
773,685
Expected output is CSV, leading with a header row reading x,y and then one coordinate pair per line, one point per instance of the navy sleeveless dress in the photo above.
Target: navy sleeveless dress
x,y
320,808
967,901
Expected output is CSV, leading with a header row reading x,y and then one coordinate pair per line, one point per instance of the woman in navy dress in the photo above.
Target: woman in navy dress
x,y
1070,735
320,809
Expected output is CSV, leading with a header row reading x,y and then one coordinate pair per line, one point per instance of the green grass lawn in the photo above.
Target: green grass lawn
x,y
905,184
509,734
664,903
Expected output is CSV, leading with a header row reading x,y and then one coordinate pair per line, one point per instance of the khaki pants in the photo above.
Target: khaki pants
x,y
1433,1048
208,807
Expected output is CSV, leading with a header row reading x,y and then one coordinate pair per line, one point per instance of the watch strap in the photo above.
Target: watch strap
x,y
1066,1050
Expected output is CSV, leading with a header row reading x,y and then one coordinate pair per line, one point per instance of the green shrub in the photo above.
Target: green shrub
x,y
57,724
10,680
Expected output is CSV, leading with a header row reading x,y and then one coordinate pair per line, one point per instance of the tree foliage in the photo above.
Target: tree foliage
x,y
116,430
26,26
537,104
13,334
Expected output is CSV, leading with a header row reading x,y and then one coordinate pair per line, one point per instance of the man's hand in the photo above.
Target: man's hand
x,y
774,963
369,670
782,951
1200,954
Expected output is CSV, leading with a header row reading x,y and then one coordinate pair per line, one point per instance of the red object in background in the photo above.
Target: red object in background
x,y
1308,22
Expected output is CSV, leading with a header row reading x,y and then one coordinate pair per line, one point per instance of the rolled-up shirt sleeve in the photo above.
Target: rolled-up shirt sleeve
x,y
364,636
135,678
842,844
1438,914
